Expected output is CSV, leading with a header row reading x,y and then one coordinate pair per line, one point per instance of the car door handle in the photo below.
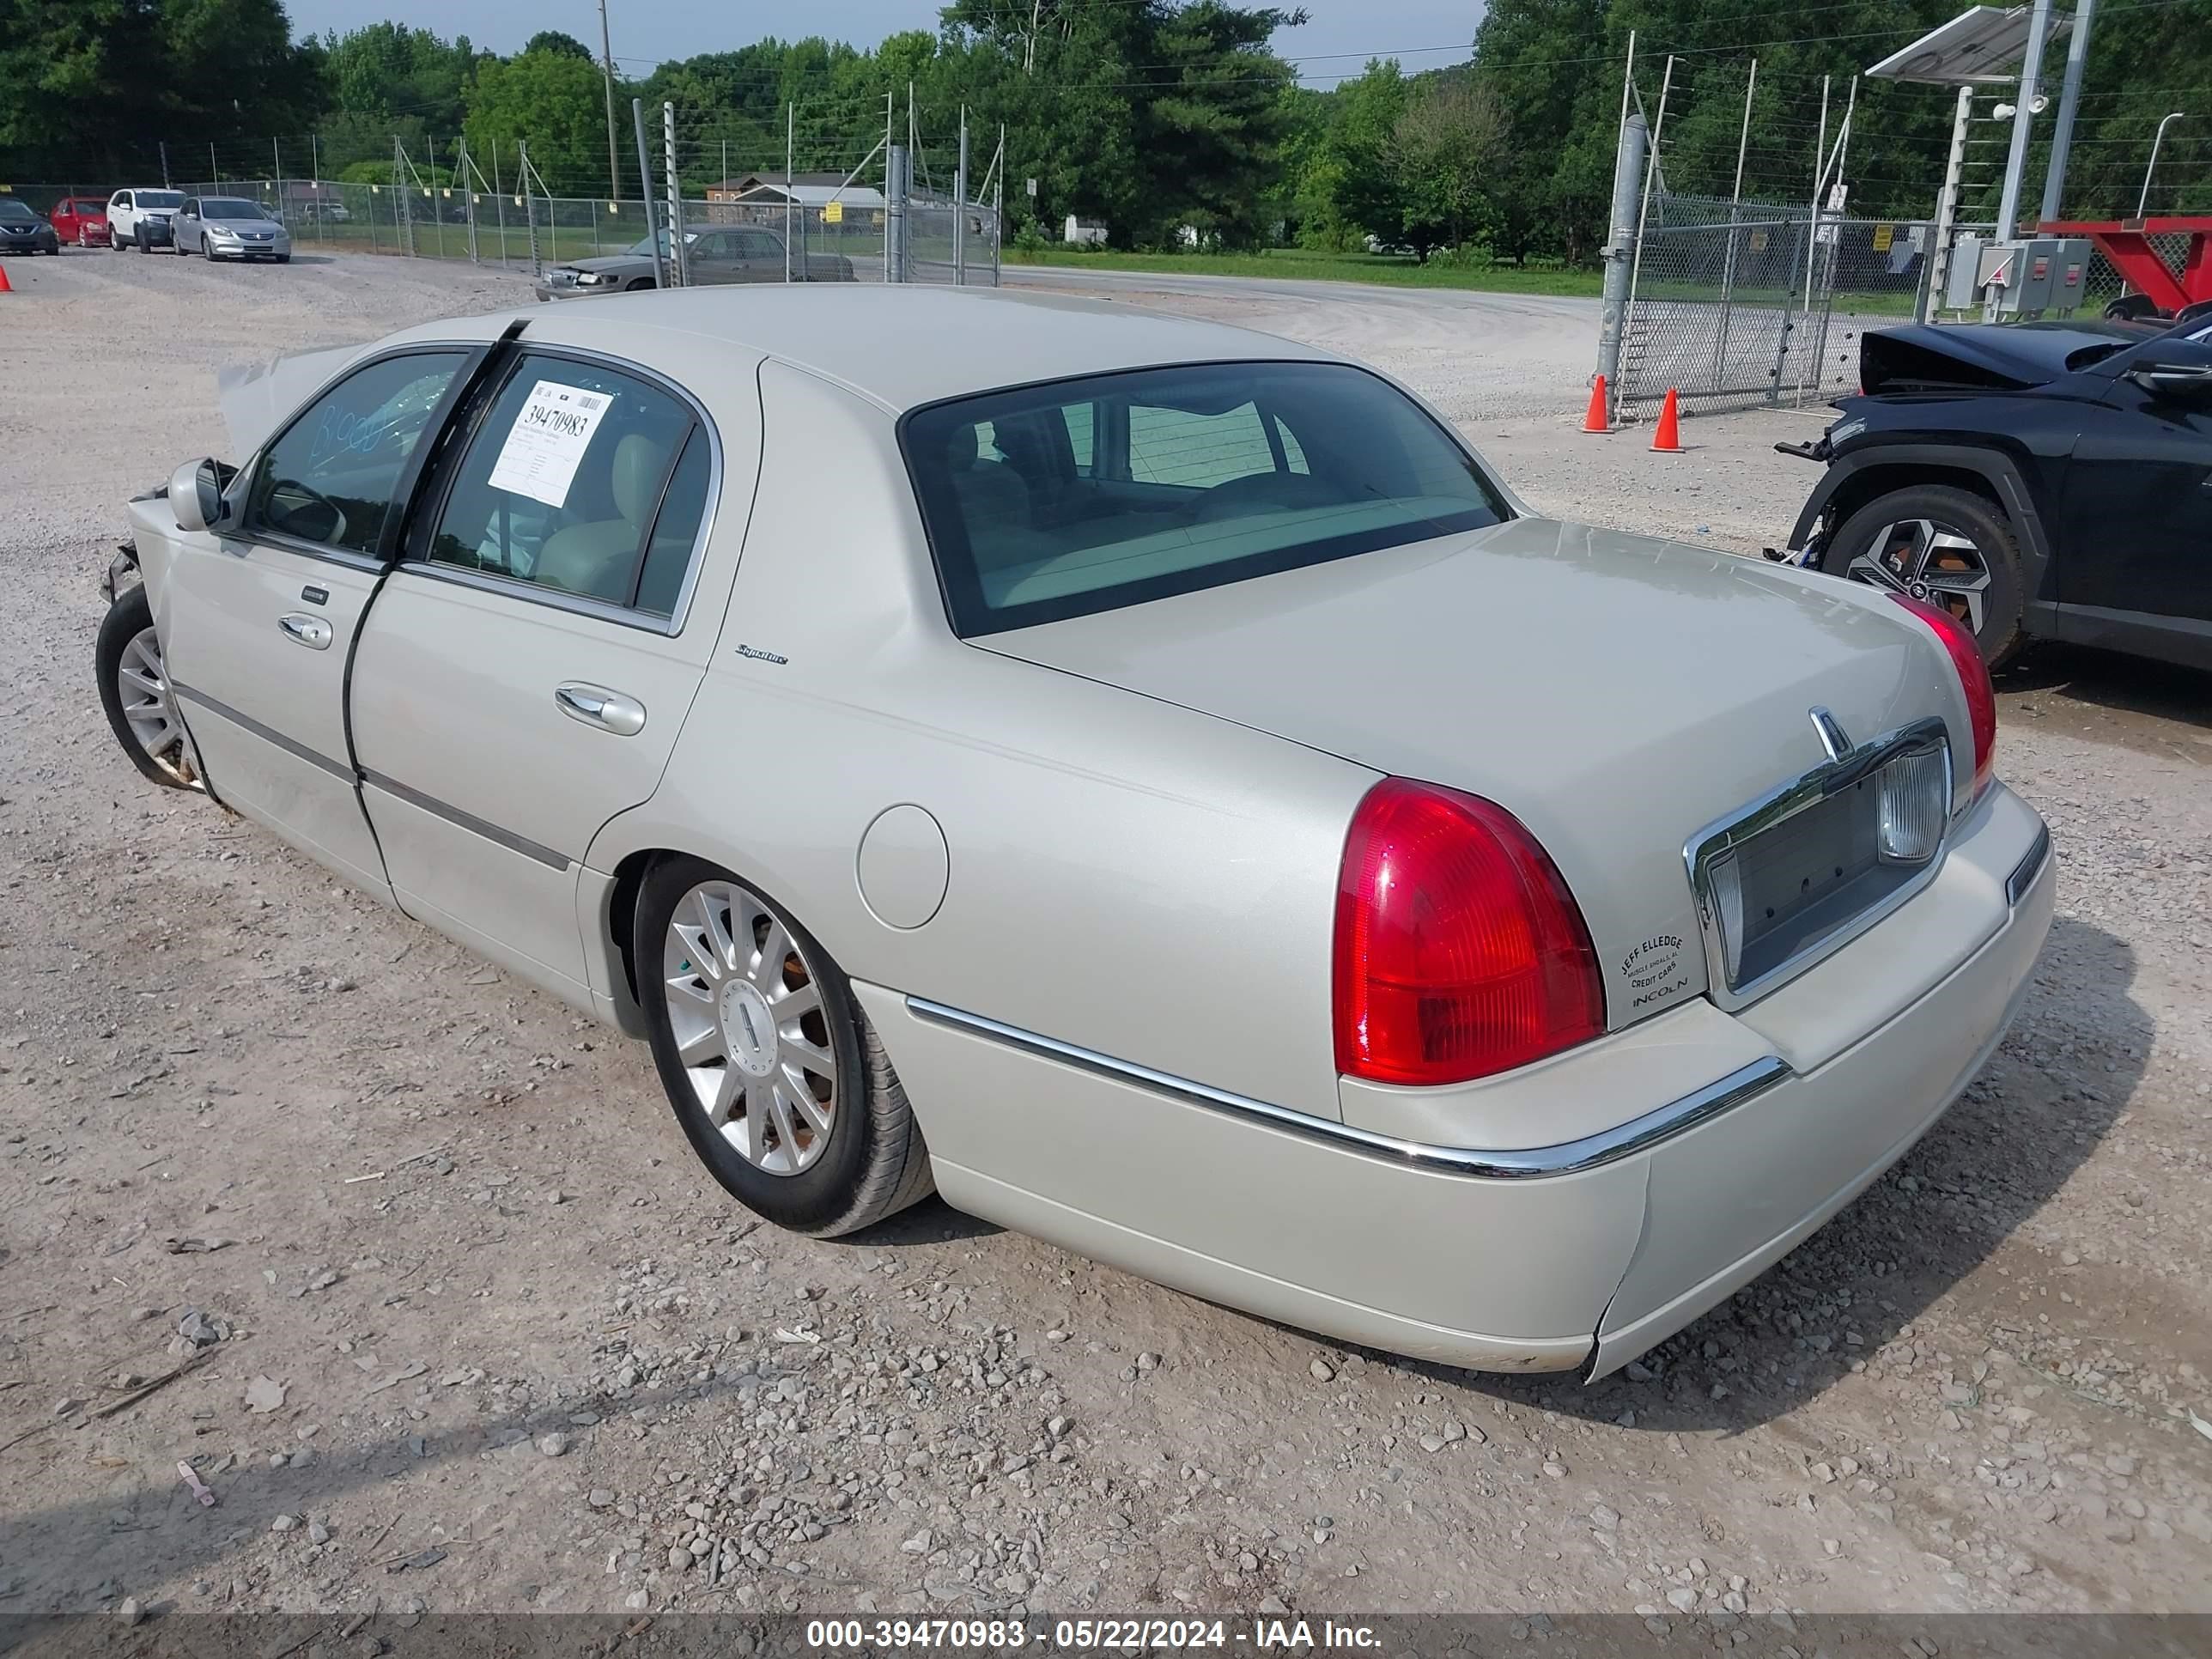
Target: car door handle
x,y
595,705
311,631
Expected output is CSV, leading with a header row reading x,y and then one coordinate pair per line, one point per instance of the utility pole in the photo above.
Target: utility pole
x,y
960,207
607,65
2069,97
164,162
2023,120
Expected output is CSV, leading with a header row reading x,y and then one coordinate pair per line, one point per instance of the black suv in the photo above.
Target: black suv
x,y
2038,480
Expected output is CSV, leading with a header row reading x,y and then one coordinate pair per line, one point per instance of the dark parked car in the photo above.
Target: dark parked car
x,y
2038,480
22,231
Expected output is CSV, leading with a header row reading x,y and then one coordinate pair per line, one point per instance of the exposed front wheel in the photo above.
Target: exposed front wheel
x,y
781,1088
134,690
1950,547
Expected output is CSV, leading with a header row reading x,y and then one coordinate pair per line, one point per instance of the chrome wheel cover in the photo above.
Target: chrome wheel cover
x,y
752,1034
1931,561
150,708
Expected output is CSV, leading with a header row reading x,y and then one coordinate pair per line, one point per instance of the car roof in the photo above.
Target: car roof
x,y
900,346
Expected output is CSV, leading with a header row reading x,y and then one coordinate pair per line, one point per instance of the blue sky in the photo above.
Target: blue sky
x,y
1342,35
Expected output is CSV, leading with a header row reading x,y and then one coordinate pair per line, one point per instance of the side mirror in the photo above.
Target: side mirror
x,y
2180,382
195,497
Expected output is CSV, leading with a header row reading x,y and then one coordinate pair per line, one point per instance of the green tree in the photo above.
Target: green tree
x,y
93,84
1369,186
554,103
1447,142
560,44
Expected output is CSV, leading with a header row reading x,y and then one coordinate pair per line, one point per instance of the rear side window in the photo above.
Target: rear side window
x,y
581,480
1057,501
331,477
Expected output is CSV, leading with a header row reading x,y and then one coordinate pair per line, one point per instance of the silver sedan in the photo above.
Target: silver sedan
x,y
229,228
1150,781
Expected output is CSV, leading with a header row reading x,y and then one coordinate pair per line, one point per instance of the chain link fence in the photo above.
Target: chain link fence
x,y
841,241
770,230
1741,305
1735,305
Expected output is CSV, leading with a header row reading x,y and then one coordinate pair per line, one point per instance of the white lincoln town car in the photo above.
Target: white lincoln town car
x,y
1150,781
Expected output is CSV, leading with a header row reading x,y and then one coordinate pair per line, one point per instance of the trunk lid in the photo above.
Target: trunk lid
x,y
1617,693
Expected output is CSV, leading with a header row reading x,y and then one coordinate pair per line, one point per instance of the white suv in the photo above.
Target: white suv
x,y
140,218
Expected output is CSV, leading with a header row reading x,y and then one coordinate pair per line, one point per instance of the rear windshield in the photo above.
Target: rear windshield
x,y
161,198
1078,496
227,207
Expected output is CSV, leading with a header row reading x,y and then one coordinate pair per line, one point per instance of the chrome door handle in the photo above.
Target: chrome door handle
x,y
311,631
595,705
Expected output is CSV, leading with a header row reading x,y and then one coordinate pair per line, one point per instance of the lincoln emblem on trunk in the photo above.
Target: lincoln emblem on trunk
x,y
1831,732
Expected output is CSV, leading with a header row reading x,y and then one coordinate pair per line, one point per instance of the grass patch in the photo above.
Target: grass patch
x,y
1393,271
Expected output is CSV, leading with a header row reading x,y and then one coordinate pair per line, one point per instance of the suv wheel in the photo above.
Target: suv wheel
x,y
1947,546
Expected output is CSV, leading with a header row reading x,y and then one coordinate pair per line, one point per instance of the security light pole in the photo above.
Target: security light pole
x,y
2143,200
2069,99
2023,119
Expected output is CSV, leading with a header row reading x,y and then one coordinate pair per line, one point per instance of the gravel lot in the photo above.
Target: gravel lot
x,y
467,1307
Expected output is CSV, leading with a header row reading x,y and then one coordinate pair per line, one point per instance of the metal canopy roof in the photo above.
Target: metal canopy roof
x,y
1980,46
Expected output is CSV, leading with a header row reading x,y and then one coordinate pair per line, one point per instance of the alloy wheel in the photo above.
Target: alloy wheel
x,y
1931,561
150,708
745,1007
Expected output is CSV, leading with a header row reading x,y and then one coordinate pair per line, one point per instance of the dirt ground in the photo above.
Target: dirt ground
x,y
472,1331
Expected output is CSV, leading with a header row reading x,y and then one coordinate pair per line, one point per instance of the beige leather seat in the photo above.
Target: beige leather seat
x,y
598,559
995,504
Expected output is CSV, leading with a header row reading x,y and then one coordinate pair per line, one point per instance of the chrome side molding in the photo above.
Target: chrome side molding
x,y
1567,1157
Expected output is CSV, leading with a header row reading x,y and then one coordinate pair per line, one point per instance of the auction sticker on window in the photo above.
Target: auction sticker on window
x,y
547,440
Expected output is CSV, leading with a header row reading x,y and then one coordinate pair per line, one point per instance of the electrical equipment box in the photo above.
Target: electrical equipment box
x,y
2032,277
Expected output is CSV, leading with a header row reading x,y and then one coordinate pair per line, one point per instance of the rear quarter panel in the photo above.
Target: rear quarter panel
x,y
1136,878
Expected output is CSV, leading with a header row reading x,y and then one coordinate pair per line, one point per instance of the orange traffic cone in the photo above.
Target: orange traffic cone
x,y
4,287
1595,420
1667,436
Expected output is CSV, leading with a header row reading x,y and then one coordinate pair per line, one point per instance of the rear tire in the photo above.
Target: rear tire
x,y
871,1161
1947,546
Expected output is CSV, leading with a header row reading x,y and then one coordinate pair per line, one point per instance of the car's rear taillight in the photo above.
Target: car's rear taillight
x,y
1965,654
1459,952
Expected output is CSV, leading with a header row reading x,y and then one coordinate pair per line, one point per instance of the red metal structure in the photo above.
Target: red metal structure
x,y
2126,243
